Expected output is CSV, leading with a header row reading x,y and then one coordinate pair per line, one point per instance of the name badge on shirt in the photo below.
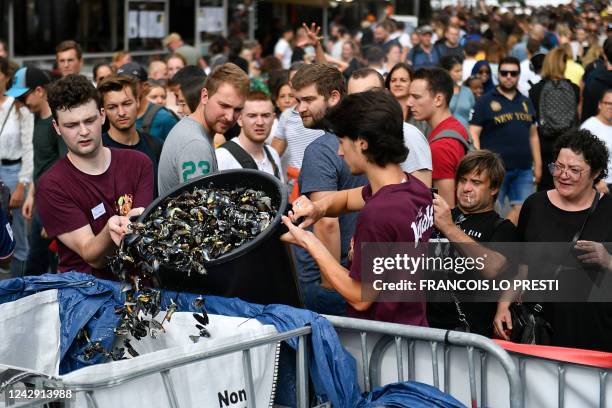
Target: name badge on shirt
x,y
98,211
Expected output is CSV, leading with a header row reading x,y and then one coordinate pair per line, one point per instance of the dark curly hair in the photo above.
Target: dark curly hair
x,y
71,91
375,117
581,141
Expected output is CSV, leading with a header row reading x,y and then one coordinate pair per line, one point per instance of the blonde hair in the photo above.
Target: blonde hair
x,y
563,30
553,66
227,73
594,52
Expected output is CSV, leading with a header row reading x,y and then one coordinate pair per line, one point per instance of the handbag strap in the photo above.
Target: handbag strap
x,y
586,219
7,116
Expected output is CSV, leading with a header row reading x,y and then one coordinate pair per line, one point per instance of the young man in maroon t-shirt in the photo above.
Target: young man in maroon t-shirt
x,y
87,197
431,90
395,206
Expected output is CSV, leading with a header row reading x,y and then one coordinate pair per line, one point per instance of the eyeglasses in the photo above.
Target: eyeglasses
x,y
484,71
504,73
556,170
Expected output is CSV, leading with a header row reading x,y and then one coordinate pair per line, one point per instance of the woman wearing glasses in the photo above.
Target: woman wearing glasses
x,y
16,129
564,214
562,101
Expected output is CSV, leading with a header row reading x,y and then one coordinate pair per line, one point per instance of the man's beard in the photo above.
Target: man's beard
x,y
318,123
506,89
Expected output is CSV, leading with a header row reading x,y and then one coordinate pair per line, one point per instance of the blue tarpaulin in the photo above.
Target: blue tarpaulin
x,y
410,394
87,302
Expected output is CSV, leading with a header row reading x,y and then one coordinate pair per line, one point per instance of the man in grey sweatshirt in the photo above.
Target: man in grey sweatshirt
x,y
188,151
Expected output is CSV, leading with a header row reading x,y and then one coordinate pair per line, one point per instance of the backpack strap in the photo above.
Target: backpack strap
x,y
498,222
245,159
452,134
272,162
152,144
148,118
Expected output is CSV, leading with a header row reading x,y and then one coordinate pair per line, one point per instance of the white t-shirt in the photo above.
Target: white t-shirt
x,y
468,65
604,132
283,48
419,154
226,161
527,75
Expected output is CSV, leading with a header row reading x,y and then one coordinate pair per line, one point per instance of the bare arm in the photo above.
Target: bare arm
x,y
336,274
327,229
331,205
446,189
424,175
503,316
94,249
312,34
475,131
279,145
534,142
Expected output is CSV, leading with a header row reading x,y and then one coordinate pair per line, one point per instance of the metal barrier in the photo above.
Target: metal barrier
x,y
394,334
397,333
562,369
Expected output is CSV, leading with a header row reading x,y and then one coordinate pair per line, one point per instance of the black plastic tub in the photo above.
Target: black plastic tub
x,y
260,271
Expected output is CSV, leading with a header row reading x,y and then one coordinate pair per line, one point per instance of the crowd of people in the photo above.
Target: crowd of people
x,y
486,125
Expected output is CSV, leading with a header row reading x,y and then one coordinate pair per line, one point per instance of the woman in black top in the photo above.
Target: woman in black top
x,y
580,161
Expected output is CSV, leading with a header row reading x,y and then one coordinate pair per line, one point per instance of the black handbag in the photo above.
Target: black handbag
x,y
528,325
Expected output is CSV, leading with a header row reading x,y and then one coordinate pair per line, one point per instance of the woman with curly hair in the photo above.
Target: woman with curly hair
x,y
574,213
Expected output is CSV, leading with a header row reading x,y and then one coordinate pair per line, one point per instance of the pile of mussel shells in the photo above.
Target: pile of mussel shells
x,y
188,230
137,319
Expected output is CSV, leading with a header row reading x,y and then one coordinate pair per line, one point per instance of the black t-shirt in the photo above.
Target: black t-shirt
x,y
48,146
481,227
580,325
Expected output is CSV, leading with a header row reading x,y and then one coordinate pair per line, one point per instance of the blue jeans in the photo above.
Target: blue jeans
x,y
10,176
517,186
322,300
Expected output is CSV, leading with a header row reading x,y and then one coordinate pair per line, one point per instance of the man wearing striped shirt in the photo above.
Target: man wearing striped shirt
x,y
291,140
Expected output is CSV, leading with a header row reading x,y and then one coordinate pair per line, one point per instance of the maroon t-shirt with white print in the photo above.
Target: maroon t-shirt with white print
x,y
389,216
68,199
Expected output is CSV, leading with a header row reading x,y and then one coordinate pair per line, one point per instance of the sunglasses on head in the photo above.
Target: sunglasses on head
x,y
504,73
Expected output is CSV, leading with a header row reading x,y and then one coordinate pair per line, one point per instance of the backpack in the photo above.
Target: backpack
x,y
558,108
147,120
468,145
245,159
153,144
